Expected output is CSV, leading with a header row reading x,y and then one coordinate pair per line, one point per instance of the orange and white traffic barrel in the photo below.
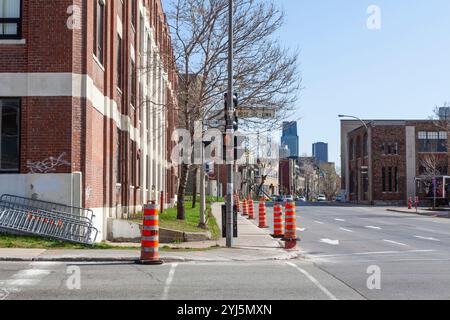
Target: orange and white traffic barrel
x,y
150,237
251,210
278,229
244,208
262,215
290,236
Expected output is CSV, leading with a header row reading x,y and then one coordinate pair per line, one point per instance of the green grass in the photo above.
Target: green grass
x,y
168,220
29,242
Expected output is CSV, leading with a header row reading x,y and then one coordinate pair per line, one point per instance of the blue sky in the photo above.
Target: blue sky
x,y
401,71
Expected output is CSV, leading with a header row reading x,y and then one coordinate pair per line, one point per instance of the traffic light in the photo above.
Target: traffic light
x,y
235,105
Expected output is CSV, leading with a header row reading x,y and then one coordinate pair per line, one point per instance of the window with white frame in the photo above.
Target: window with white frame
x,y
10,19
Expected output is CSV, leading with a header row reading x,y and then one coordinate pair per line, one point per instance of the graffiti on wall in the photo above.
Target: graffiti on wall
x,y
48,165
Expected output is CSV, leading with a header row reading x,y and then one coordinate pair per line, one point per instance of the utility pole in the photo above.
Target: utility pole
x,y
230,130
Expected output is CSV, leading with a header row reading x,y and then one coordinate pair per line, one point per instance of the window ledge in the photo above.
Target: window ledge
x,y
99,63
13,41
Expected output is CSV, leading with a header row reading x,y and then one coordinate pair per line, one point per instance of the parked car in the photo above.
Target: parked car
x,y
288,198
301,199
321,198
340,198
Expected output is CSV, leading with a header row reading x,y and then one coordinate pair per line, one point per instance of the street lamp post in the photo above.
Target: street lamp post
x,y
369,169
229,129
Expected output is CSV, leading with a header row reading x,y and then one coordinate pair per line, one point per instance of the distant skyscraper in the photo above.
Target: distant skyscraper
x,y
320,151
290,138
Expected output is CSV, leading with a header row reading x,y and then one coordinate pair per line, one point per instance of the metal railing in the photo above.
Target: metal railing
x,y
21,202
46,219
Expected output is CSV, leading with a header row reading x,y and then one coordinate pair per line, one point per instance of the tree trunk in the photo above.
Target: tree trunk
x,y
194,189
181,212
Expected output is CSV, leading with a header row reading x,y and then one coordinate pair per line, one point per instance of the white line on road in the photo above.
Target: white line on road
x,y
371,253
329,241
427,238
301,229
319,222
395,242
346,230
314,280
169,281
372,227
341,220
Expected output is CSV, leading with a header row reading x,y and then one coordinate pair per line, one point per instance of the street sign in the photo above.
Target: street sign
x,y
262,113
224,221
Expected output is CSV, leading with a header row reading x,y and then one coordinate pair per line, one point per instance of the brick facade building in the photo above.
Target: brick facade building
x,y
88,94
383,162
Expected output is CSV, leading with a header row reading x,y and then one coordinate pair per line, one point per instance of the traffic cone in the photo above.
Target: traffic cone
x,y
237,202
290,236
251,210
262,215
150,237
244,208
278,230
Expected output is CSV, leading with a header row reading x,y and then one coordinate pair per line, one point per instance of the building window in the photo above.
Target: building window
x,y
383,179
119,156
390,179
133,13
352,150
9,135
99,37
433,141
358,148
10,19
133,84
119,62
365,146
396,179
389,148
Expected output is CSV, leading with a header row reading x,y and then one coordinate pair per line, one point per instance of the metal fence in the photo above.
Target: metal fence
x,y
29,216
21,202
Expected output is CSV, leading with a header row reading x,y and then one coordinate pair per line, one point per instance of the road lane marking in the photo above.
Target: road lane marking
x,y
319,222
375,253
329,241
427,238
346,230
314,280
341,220
372,227
31,273
301,229
395,242
169,281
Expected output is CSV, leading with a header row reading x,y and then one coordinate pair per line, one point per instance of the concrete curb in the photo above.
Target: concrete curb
x,y
284,257
431,215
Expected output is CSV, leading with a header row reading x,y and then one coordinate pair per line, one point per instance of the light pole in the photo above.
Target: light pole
x,y
229,129
369,167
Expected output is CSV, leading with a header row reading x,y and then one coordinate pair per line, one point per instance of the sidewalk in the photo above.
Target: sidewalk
x,y
253,244
421,211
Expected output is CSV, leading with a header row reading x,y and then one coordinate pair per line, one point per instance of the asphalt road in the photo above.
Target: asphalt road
x,y
411,255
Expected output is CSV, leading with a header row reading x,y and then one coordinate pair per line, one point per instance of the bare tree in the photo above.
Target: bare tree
x,y
266,74
329,181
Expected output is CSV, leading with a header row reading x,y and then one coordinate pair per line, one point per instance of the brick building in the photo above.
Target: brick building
x,y
384,162
87,103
